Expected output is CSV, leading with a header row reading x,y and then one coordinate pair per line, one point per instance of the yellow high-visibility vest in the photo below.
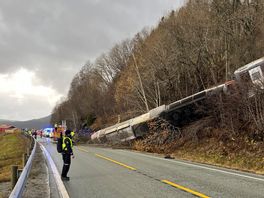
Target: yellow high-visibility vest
x,y
64,145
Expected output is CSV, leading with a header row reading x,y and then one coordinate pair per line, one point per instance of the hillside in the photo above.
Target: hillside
x,y
206,142
191,49
35,123
194,48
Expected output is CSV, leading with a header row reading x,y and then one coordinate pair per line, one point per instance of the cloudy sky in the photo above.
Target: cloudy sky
x,y
43,44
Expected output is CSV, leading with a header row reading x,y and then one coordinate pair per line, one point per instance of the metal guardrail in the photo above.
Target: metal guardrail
x,y
20,185
54,171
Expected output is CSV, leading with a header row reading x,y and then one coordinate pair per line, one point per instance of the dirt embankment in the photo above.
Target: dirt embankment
x,y
5,189
38,181
202,141
12,147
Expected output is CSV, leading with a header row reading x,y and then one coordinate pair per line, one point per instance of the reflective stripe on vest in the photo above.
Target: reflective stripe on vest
x,y
72,133
64,147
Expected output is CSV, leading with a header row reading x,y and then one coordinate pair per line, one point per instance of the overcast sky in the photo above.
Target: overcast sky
x,y
43,44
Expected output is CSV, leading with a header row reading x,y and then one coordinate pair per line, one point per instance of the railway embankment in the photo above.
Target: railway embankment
x,y
203,141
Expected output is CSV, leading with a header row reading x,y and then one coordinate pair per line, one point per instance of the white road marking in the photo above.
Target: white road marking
x,y
199,166
61,188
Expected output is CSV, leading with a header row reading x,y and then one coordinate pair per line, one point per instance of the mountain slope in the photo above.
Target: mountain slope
x,y
35,123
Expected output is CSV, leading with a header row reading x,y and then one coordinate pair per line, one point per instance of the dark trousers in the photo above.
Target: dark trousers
x,y
66,164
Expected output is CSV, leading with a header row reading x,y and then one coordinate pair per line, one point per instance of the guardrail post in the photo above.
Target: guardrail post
x,y
24,159
14,175
28,152
31,144
19,171
18,184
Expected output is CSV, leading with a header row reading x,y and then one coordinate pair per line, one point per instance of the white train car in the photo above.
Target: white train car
x,y
127,130
181,110
95,136
253,72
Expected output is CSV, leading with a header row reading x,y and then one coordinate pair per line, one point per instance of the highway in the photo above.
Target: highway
x,y
105,172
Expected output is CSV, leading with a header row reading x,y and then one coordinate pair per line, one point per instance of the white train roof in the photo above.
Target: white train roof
x,y
250,65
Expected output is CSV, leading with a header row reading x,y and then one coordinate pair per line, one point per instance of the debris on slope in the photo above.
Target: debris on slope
x,y
202,141
160,137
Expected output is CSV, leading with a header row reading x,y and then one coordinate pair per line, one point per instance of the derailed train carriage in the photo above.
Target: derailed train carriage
x,y
137,127
187,109
181,111
127,130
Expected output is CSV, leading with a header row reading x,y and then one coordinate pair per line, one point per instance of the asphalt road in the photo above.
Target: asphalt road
x,y
105,173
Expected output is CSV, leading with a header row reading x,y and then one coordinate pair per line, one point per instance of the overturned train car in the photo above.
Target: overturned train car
x,y
127,130
181,111
176,113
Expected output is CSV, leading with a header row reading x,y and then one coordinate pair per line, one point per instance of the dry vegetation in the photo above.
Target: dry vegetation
x,y
203,142
231,136
12,147
191,49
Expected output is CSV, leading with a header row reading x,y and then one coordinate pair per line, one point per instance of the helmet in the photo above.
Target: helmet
x,y
67,132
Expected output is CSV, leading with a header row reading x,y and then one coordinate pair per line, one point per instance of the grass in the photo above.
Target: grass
x,y
204,143
247,157
12,147
244,163
211,152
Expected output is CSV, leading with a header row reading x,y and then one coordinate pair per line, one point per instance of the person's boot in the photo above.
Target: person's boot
x,y
65,178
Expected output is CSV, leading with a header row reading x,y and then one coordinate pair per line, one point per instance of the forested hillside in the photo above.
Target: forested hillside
x,y
193,48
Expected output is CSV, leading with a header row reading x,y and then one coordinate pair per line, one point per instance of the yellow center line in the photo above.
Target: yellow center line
x,y
106,158
83,150
116,162
164,181
185,189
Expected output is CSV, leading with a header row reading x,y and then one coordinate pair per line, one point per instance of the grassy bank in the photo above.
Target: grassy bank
x,y
247,158
12,146
204,143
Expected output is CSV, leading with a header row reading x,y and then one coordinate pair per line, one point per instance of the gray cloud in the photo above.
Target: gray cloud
x,y
18,111
54,38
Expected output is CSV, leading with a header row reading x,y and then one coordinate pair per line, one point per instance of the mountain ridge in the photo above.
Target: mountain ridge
x,y
34,123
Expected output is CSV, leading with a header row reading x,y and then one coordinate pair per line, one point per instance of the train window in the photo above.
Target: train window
x,y
123,134
256,76
126,133
140,129
245,77
112,137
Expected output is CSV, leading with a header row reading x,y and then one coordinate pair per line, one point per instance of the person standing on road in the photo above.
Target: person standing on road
x,y
35,134
67,153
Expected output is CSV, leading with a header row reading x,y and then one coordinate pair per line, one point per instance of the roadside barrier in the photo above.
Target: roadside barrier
x,y
54,171
19,177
